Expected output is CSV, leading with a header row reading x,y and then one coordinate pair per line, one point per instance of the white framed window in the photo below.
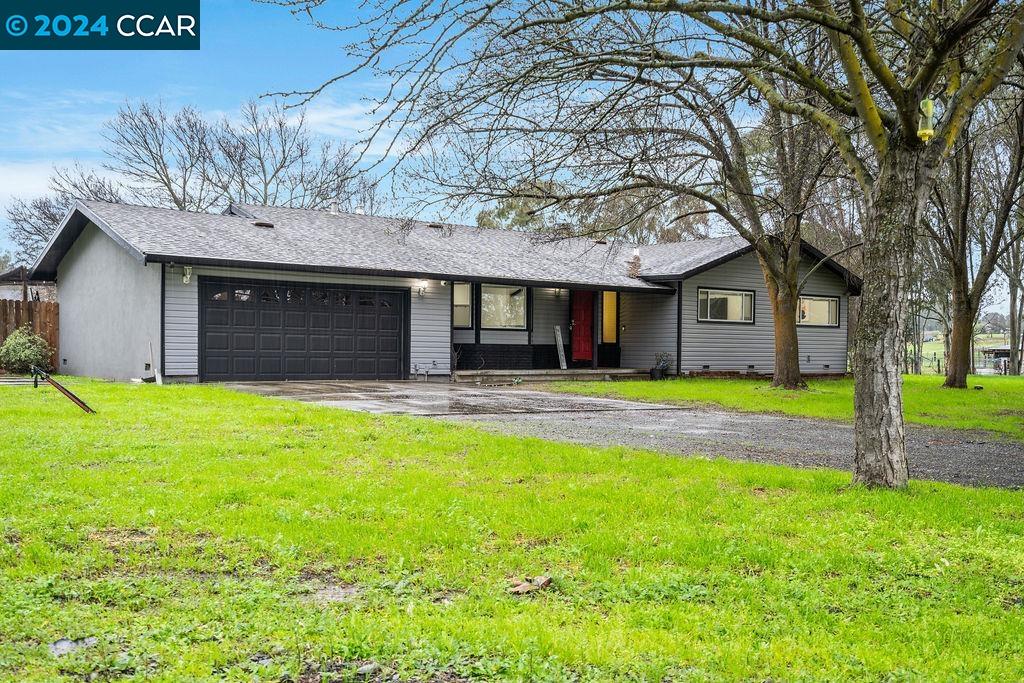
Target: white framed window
x,y
462,305
818,311
725,306
502,307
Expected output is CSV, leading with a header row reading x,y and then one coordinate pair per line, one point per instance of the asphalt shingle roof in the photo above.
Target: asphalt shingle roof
x,y
309,239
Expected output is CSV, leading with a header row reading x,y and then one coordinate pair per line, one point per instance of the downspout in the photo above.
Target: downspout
x,y
679,328
163,313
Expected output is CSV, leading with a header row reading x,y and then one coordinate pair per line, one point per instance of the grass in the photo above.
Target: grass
x,y
189,529
999,407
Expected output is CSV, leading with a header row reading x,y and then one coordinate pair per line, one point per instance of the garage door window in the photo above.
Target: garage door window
x,y
269,295
296,296
319,297
243,295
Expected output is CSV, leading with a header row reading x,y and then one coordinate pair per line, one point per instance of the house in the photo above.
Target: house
x,y
16,284
267,293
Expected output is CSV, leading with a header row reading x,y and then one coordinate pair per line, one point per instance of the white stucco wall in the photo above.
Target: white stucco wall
x,y
109,310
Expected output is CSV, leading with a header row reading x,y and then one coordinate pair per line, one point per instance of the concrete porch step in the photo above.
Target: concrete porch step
x,y
556,375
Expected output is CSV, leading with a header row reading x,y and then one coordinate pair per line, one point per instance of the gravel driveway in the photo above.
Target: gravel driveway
x,y
972,458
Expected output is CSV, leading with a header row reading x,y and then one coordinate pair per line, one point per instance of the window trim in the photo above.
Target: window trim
x,y
729,290
526,313
472,318
827,297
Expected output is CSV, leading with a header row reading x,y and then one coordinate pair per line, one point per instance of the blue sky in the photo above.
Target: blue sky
x,y
53,104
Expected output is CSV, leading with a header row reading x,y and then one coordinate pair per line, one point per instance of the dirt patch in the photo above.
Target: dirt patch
x,y
118,539
323,587
366,670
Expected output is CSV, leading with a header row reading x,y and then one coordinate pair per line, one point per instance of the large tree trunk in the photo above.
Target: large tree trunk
x,y
880,455
1015,329
958,365
787,350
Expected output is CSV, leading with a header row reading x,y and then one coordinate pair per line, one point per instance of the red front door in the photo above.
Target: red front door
x,y
582,325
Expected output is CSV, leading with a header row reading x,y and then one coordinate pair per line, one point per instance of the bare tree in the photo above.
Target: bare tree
x,y
889,59
180,160
6,260
31,222
269,158
972,217
1012,266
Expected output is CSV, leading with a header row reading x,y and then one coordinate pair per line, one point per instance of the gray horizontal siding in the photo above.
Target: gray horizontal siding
x,y
648,328
550,308
429,317
735,347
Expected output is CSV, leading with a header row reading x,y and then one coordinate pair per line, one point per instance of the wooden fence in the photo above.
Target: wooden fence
x,y
42,316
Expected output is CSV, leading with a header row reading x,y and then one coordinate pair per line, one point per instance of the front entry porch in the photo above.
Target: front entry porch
x,y
534,329
499,377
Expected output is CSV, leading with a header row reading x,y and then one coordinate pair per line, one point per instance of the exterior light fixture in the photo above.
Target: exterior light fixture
x,y
187,275
423,284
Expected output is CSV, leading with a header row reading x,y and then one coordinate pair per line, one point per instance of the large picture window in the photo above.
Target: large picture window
x,y
821,311
462,305
725,306
502,308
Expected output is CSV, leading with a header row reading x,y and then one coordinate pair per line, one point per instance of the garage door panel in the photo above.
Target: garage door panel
x,y
295,320
319,365
270,318
217,365
295,365
243,341
243,317
366,367
270,342
270,365
217,316
294,331
388,366
295,343
217,341
243,365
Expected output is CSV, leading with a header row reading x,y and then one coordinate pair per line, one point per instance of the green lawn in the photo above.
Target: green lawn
x,y
189,529
999,407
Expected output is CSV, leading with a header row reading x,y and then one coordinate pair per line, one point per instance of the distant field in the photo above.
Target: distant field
x,y
933,351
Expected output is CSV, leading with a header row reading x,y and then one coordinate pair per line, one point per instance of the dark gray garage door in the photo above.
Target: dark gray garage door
x,y
272,331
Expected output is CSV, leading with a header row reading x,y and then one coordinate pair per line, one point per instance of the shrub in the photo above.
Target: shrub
x,y
23,349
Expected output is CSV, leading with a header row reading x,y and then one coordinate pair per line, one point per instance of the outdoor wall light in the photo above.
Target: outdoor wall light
x,y
187,275
423,284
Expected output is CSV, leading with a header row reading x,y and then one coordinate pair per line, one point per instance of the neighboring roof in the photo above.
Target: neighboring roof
x,y
19,274
302,239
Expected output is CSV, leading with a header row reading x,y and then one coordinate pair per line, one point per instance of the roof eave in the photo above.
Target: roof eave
x,y
653,288
69,230
853,282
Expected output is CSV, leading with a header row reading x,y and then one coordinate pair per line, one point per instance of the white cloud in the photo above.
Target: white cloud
x,y
26,178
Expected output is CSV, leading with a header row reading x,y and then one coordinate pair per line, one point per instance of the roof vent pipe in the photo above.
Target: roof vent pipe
x,y
360,211
334,207
633,265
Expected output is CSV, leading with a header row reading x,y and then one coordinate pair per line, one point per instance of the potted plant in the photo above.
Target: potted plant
x,y
660,366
